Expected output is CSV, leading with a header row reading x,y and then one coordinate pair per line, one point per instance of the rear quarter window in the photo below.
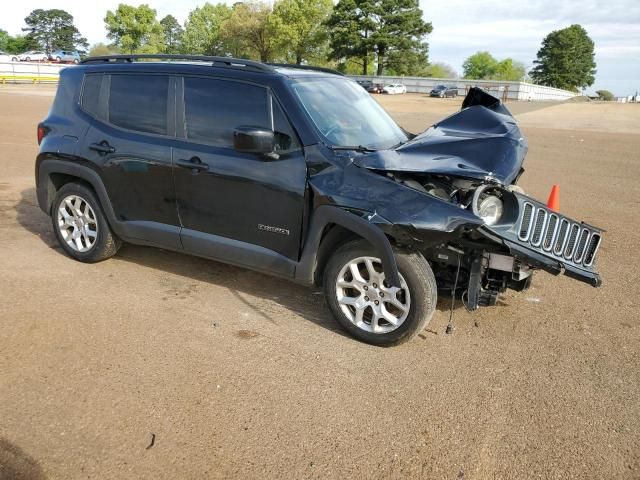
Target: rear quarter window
x,y
91,94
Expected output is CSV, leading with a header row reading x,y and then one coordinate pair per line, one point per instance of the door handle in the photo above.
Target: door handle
x,y
102,148
194,164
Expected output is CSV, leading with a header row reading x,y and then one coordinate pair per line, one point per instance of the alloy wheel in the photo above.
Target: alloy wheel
x,y
77,223
367,300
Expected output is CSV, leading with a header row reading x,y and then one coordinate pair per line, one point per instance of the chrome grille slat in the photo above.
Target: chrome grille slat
x,y
561,239
592,249
571,242
538,227
527,221
581,247
552,230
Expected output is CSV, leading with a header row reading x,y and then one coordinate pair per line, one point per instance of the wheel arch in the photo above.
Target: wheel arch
x,y
332,226
53,173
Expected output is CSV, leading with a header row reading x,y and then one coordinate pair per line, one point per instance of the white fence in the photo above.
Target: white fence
x,y
30,72
507,90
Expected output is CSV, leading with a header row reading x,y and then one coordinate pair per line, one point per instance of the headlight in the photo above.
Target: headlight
x,y
487,206
490,210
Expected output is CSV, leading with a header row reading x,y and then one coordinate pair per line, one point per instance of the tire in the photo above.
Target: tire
x,y
14,59
28,59
417,280
58,59
94,241
76,61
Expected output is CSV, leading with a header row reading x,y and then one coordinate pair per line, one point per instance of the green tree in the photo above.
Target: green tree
x,y
172,34
391,29
53,29
440,70
134,29
565,60
605,95
100,49
4,38
249,24
203,28
507,69
480,65
350,30
483,66
298,27
19,44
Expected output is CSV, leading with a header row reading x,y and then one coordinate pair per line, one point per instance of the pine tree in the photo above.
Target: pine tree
x,y
392,30
566,60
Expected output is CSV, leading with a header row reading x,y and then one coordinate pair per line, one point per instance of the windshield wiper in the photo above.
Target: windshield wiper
x,y
358,148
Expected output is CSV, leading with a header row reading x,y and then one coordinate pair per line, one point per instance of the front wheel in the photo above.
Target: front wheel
x,y
367,306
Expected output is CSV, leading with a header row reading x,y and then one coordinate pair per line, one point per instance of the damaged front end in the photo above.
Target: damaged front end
x,y
495,236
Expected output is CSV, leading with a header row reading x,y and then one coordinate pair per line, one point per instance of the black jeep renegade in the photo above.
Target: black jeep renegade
x,y
298,172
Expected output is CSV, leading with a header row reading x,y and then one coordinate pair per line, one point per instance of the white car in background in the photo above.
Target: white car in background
x,y
394,88
5,57
33,56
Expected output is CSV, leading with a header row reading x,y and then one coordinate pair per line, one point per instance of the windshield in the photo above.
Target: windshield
x,y
346,115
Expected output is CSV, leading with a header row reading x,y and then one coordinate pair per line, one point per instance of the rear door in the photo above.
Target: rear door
x,y
130,140
244,201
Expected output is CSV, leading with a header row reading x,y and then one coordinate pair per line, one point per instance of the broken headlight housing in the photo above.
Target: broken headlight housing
x,y
488,204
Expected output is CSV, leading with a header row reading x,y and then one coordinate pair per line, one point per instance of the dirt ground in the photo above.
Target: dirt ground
x,y
158,365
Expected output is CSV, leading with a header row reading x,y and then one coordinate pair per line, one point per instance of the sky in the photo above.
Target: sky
x,y
460,28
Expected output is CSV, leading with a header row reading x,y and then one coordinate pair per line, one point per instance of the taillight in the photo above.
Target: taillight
x,y
42,131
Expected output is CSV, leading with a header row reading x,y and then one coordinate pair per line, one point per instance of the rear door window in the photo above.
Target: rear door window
x,y
139,102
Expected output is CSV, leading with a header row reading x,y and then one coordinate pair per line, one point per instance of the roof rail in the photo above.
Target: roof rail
x,y
306,67
215,61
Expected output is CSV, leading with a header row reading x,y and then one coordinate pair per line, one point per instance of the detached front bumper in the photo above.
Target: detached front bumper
x,y
550,241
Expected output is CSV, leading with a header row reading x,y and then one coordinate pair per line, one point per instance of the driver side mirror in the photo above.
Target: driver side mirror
x,y
253,140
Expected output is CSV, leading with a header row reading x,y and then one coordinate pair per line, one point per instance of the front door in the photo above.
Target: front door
x,y
240,207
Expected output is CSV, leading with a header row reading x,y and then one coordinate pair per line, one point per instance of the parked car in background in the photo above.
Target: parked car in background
x,y
443,91
64,56
6,57
366,84
33,56
375,88
394,88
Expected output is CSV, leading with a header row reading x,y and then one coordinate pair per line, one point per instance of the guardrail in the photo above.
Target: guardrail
x,y
30,72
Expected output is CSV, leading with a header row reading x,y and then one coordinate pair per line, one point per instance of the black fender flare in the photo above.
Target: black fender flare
x,y
326,214
45,190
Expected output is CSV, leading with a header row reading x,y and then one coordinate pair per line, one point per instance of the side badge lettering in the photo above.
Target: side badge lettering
x,y
269,228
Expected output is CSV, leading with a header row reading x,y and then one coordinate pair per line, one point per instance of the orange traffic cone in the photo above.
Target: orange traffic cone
x,y
554,198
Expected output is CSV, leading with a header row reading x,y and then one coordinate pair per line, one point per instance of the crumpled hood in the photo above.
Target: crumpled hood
x,y
482,141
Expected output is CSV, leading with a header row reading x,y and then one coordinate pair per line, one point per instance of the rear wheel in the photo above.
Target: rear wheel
x,y
367,306
80,226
